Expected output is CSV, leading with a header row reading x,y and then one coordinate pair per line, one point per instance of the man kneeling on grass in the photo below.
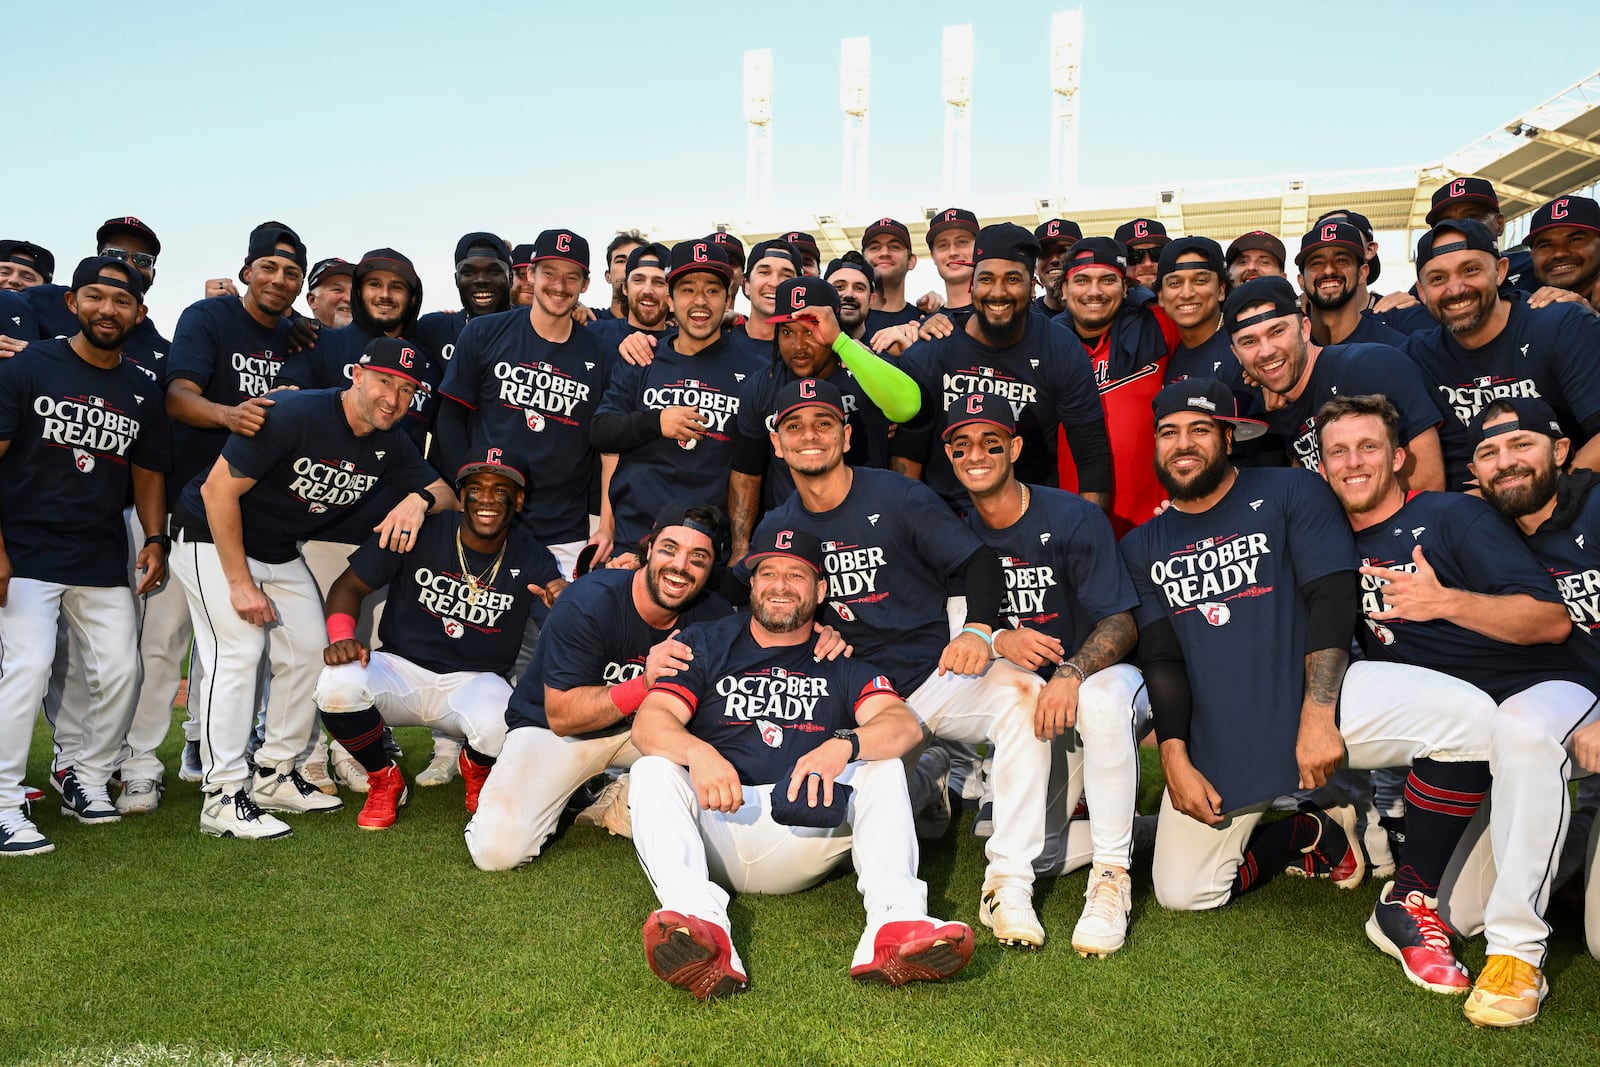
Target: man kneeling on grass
x,y
763,767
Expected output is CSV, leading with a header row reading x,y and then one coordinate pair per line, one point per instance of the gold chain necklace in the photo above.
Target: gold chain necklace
x,y
477,582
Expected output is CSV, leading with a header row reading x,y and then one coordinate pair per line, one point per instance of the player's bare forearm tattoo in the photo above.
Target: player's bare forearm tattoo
x,y
744,496
1111,639
1325,675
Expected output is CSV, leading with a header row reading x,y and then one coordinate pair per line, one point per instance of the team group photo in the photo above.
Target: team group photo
x,y
505,593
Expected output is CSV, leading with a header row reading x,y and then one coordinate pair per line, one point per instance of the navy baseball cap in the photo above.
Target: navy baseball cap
x,y
1141,230
1362,223
391,355
522,256
654,254
1060,230
807,393
730,244
1097,252
704,255
1268,289
803,241
390,260
29,254
990,408
127,224
1455,235
772,249
1208,397
92,271
852,261
796,296
1006,241
265,239
482,244
951,218
561,244
1457,190
1168,262
331,267
1260,241
492,461
1528,413
1331,234
1579,211
887,227
789,544
678,515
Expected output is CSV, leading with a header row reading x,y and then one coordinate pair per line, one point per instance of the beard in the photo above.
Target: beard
x,y
1331,303
1527,499
999,333
1203,484
800,615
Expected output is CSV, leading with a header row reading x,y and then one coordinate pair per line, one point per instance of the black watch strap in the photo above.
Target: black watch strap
x,y
159,539
428,497
855,742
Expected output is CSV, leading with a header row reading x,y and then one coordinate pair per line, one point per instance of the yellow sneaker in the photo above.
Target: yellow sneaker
x,y
1508,993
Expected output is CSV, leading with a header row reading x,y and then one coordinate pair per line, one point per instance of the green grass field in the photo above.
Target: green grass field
x,y
149,943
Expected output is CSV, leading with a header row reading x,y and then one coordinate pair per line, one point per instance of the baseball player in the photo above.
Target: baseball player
x,y
530,382
1272,339
810,253
894,554
328,291
1069,606
671,423
1054,238
1191,284
522,275
1332,271
459,601
886,245
322,453
1256,568
79,430
810,343
1488,345
1144,239
25,265
483,281
1254,254
952,236
754,719
1006,349
607,640
1564,246
1475,198
767,265
852,277
616,273
645,288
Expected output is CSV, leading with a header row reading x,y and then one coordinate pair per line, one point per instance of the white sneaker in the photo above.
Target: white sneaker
x,y
1103,926
610,810
1008,911
89,804
236,815
350,773
441,769
140,796
932,817
19,837
316,772
288,791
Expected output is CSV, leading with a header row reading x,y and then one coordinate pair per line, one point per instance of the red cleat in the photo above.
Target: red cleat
x,y
386,795
473,775
692,954
1410,930
916,951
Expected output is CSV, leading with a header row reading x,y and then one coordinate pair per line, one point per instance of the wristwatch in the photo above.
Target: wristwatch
x,y
159,539
855,742
427,498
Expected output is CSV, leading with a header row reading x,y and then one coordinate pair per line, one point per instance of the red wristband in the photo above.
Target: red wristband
x,y
627,696
341,627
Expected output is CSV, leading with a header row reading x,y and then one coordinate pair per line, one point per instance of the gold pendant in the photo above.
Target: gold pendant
x,y
472,591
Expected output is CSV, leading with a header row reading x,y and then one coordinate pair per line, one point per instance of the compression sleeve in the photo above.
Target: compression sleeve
x,y
1166,677
985,580
450,435
1091,454
750,454
886,385
624,432
1334,603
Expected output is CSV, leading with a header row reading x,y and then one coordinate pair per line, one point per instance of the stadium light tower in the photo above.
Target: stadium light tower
x,y
855,85
1066,46
957,112
758,139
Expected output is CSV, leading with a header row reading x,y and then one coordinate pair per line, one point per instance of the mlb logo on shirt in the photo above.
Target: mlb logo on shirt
x,y
346,465
1209,542
84,460
97,402
778,672
771,734
830,546
987,372
693,383
1484,382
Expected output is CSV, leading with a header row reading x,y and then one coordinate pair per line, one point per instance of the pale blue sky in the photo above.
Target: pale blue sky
x,y
407,123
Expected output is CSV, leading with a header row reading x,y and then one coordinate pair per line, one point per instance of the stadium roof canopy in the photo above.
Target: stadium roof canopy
x,y
1537,156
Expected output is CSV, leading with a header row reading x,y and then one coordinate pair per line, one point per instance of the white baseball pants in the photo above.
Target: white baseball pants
x,y
461,704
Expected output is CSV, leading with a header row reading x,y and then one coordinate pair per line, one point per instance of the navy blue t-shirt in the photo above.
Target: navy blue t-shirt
x,y
535,399
310,470
74,430
762,708
892,552
1470,546
595,636
1370,331
437,333
663,469
44,309
1550,352
432,615
610,333
1406,320
17,317
1571,553
869,426
328,365
232,358
1354,370
878,319
740,341
1045,376
50,310
1063,571
1229,579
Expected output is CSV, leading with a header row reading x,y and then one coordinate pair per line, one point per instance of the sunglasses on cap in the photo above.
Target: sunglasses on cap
x,y
142,260
1143,255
